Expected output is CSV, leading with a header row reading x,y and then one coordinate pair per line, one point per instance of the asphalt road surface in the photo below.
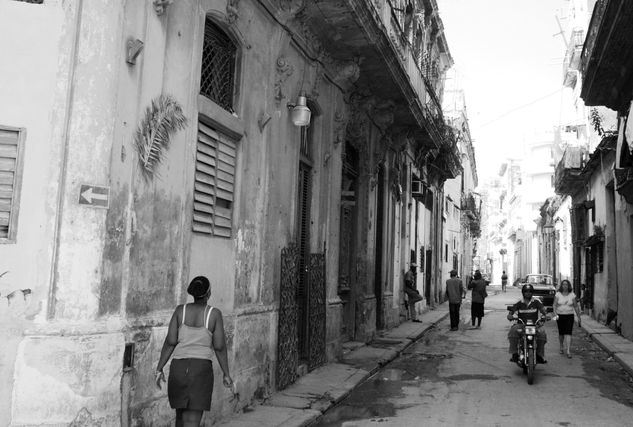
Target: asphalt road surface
x,y
464,378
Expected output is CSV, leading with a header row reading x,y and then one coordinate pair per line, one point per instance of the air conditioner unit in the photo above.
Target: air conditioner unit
x,y
417,189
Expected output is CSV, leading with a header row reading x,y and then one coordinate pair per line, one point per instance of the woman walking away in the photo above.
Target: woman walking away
x,y
565,304
479,294
195,331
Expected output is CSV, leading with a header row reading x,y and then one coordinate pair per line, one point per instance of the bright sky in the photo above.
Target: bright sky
x,y
508,61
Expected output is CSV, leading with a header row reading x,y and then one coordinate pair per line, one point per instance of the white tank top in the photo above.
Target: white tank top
x,y
565,303
194,342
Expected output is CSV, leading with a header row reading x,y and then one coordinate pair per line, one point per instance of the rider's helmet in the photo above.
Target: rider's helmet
x,y
527,287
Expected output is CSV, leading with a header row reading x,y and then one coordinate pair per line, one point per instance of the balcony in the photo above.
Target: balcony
x,y
568,176
380,47
624,183
607,55
449,160
571,63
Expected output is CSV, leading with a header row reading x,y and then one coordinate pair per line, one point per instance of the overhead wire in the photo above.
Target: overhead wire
x,y
522,106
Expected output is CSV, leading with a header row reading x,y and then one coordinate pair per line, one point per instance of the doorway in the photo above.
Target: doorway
x,y
347,259
378,285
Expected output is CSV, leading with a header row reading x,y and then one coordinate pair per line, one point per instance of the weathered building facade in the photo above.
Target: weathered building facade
x,y
599,187
165,140
461,216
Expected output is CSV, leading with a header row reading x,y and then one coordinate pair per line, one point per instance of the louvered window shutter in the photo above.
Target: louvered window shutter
x,y
9,180
214,184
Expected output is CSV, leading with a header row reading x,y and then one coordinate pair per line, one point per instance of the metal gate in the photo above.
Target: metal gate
x,y
316,311
288,334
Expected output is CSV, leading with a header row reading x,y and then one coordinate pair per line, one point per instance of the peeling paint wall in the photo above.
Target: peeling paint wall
x,y
107,280
29,89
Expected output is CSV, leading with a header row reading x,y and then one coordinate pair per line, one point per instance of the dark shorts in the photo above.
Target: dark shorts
x,y
190,384
477,309
565,324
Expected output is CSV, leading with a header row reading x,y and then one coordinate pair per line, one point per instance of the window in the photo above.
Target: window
x,y
11,146
214,182
217,75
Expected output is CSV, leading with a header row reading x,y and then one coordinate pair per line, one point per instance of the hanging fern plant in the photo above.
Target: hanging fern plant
x,y
162,118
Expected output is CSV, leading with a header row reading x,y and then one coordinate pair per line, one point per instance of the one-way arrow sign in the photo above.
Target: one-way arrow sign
x,y
95,196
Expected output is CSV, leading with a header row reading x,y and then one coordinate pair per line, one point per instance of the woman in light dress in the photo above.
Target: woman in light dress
x,y
565,304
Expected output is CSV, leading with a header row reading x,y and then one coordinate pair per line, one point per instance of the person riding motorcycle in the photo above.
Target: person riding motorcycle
x,y
527,309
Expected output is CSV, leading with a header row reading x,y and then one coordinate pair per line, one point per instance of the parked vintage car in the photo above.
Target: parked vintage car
x,y
544,288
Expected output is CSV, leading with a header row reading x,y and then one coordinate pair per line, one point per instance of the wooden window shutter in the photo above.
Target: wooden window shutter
x,y
10,177
214,182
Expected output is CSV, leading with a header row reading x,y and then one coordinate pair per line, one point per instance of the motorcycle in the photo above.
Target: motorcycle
x,y
527,346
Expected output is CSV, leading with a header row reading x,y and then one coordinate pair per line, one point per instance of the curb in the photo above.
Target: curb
x,y
604,338
379,365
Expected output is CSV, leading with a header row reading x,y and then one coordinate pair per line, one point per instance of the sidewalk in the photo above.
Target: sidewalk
x,y
620,348
311,395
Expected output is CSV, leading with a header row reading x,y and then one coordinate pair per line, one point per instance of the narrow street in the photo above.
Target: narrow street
x,y
465,378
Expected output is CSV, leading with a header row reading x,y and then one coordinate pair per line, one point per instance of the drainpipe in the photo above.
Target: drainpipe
x,y
70,92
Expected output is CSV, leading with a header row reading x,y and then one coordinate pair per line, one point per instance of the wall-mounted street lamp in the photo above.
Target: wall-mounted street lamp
x,y
299,112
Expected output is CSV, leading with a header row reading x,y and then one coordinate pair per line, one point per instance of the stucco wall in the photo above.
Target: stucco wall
x,y
30,83
597,192
109,278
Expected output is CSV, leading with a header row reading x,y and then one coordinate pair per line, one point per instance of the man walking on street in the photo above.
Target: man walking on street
x,y
455,292
504,281
412,292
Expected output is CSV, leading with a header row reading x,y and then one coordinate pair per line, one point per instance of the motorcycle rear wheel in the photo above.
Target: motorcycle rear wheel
x,y
530,366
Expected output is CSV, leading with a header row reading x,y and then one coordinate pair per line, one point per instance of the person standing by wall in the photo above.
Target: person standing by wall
x,y
195,330
411,290
479,294
454,292
565,304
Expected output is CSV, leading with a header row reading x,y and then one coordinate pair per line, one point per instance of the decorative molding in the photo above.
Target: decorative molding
x,y
291,6
345,73
232,11
397,43
284,70
134,48
379,159
318,77
357,130
340,124
160,6
383,115
263,120
299,23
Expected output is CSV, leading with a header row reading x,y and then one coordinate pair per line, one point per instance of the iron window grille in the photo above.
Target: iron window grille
x,y
217,77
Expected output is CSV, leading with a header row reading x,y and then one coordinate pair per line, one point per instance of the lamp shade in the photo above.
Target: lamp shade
x,y
300,114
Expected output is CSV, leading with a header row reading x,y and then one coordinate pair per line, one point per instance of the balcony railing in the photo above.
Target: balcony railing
x,y
568,174
422,66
